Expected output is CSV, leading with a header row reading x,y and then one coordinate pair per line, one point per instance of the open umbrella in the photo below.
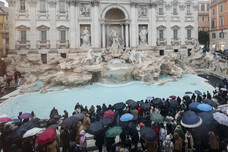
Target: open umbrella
x,y
113,132
173,103
109,114
198,92
3,115
70,121
106,121
149,98
129,101
193,106
80,116
126,117
46,137
139,102
119,106
96,128
207,117
33,131
172,97
53,126
191,121
210,102
133,105
156,117
188,92
188,113
223,89
5,119
148,134
25,115
157,101
221,118
145,106
204,107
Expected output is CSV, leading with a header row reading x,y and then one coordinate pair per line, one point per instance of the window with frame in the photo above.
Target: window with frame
x,y
22,5
213,1
221,8
188,9
203,18
213,11
221,34
160,9
207,7
62,7
175,9
175,34
43,6
213,24
221,21
23,37
63,36
202,7
213,35
161,34
43,36
189,34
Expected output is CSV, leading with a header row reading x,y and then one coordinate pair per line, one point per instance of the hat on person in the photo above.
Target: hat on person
x,y
141,124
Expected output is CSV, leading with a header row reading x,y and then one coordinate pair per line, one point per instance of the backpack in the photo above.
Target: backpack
x,y
167,146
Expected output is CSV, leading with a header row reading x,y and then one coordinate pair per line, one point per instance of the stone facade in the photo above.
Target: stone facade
x,y
43,29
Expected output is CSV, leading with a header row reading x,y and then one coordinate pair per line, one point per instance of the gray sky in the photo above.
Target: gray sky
x,y
4,2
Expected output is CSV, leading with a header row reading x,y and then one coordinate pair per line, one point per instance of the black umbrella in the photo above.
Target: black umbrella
x,y
80,116
173,103
106,121
157,101
54,126
133,105
188,92
207,117
139,102
96,128
119,106
70,121
145,106
210,102
148,134
129,101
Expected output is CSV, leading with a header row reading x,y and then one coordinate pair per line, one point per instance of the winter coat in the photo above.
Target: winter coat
x,y
99,139
162,134
213,141
65,136
179,131
178,143
151,146
83,143
52,147
80,128
135,113
86,122
191,142
134,135
168,144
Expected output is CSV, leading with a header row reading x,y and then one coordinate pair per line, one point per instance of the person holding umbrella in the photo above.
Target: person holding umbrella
x,y
99,140
168,144
65,137
52,146
83,144
189,143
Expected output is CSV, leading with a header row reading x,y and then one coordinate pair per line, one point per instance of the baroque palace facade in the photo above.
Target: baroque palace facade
x,y
42,29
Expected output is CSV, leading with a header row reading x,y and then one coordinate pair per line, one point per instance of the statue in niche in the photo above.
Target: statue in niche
x,y
85,37
84,10
143,36
143,11
115,39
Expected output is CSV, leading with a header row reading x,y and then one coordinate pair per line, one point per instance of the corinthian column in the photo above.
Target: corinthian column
x,y
96,25
126,36
72,30
103,36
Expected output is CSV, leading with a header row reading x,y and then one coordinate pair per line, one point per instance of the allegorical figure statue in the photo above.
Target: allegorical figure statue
x,y
85,37
143,35
115,39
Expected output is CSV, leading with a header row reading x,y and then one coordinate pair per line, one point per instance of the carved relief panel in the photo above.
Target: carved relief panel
x,y
84,9
143,9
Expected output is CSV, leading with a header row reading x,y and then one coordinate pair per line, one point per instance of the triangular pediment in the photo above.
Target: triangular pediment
x,y
43,27
22,27
189,27
175,27
62,27
161,27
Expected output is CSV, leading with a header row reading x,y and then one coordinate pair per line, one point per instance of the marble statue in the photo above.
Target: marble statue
x,y
85,37
141,56
115,39
90,57
143,11
132,56
143,36
84,10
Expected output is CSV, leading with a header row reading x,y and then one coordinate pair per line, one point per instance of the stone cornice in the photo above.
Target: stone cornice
x,y
72,2
32,3
95,2
11,3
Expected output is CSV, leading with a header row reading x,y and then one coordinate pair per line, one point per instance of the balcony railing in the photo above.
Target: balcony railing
x,y
175,41
63,44
161,41
189,41
43,44
22,45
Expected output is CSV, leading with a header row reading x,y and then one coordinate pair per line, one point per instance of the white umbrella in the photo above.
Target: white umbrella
x,y
4,115
223,89
221,118
33,131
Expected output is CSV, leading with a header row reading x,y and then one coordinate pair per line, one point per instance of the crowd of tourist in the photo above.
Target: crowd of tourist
x,y
154,125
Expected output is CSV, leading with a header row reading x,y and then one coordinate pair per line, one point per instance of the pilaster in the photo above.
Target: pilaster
x,y
34,35
133,24
96,25
53,32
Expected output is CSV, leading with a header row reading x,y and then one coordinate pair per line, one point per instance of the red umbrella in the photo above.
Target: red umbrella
x,y
5,119
109,114
46,136
172,97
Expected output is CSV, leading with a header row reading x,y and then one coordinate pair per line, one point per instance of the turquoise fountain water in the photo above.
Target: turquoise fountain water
x,y
98,93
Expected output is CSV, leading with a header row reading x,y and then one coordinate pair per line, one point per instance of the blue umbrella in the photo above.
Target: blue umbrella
x,y
204,107
126,117
210,102
149,98
198,92
191,121
188,113
193,106
207,117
